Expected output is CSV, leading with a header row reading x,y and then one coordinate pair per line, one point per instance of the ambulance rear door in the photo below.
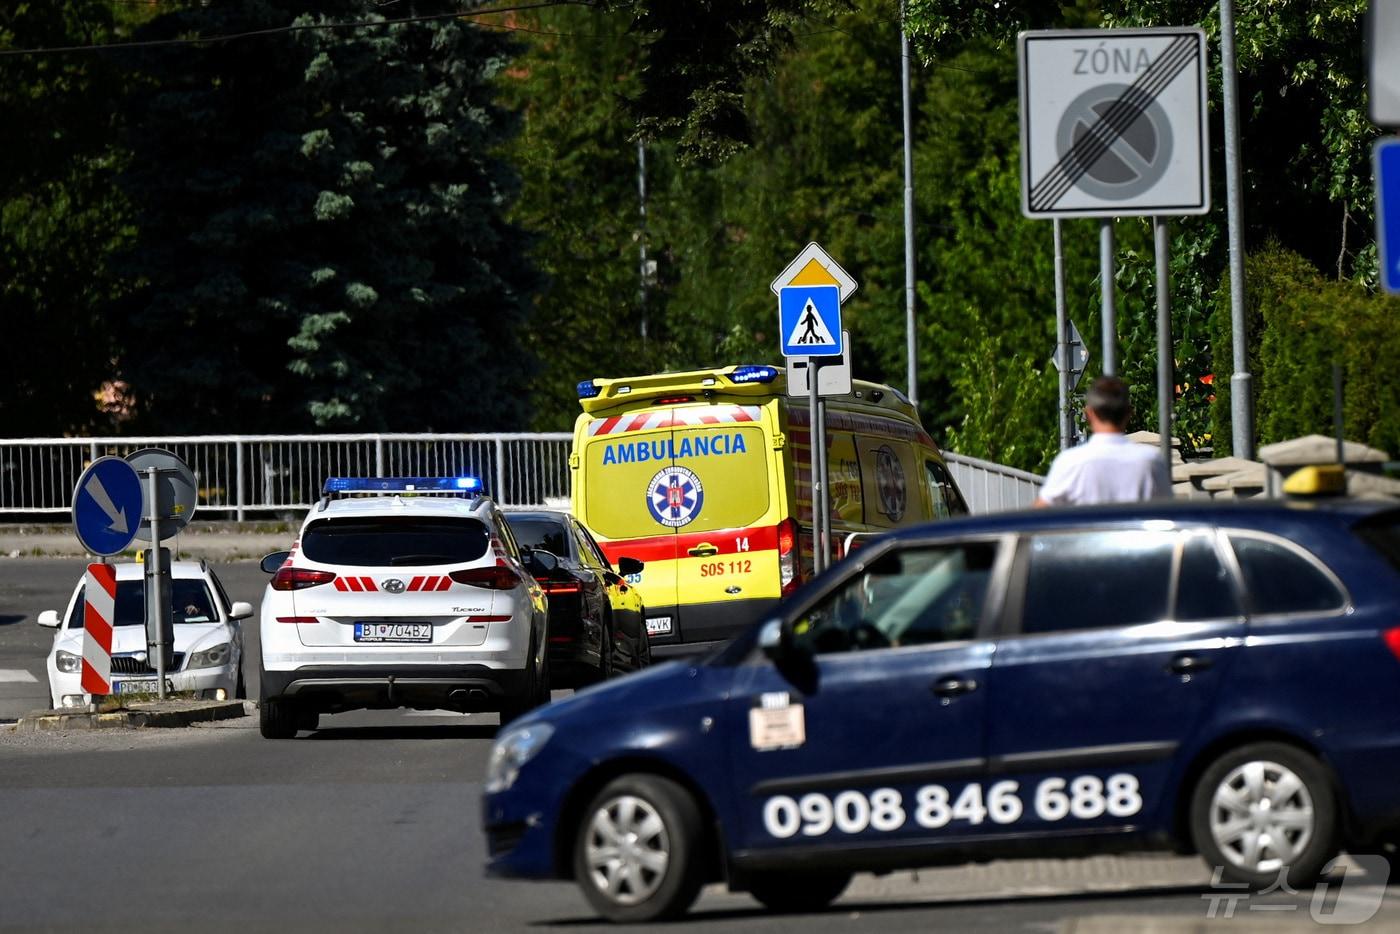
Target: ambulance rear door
x,y
624,474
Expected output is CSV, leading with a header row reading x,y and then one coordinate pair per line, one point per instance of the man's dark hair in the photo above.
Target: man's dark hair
x,y
1108,398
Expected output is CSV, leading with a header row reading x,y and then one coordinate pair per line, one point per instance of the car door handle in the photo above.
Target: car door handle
x,y
703,550
953,687
1188,664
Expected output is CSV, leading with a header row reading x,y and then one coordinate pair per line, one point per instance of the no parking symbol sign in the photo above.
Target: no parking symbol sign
x,y
1113,122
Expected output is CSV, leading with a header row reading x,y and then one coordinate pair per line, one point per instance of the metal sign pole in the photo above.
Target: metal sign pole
x,y
825,475
1061,335
1107,300
909,337
1241,384
1165,370
151,579
818,487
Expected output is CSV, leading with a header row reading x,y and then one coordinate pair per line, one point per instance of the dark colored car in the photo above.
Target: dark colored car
x,y
1218,679
597,623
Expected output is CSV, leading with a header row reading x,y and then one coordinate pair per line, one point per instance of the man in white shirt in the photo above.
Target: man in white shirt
x,y
1108,468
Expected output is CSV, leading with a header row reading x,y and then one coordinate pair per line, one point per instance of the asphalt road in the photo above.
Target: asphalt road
x,y
371,824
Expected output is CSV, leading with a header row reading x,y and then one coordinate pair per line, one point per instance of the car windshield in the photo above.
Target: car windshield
x,y
541,532
395,541
190,602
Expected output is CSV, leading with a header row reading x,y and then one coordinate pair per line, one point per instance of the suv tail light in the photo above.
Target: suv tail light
x,y
787,556
299,578
1392,640
492,578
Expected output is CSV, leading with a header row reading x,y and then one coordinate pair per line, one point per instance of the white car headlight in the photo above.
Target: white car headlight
x,y
512,751
211,658
67,662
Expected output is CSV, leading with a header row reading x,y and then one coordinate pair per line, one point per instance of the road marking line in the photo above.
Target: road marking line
x,y
17,675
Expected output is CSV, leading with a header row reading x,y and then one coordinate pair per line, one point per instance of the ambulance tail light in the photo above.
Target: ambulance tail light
x,y
300,578
492,578
673,400
787,556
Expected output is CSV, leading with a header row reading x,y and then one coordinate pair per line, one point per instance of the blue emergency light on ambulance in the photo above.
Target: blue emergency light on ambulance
x,y
753,374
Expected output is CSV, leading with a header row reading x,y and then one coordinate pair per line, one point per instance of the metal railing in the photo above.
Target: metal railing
x,y
261,474
990,487
241,474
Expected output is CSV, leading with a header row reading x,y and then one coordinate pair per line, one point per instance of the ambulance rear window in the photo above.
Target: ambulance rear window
x,y
395,541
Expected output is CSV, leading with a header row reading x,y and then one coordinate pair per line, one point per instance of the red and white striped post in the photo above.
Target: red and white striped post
x,y
100,599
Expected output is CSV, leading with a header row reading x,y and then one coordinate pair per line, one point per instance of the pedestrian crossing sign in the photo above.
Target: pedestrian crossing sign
x,y
809,320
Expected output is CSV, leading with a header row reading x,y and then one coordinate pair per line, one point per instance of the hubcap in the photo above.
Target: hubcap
x,y
1261,816
627,850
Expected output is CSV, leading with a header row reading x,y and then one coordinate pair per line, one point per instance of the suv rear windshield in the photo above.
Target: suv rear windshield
x,y
395,541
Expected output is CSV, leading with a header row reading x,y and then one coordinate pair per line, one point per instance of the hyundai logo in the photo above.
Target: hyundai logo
x,y
393,585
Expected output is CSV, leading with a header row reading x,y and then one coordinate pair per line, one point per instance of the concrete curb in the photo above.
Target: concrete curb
x,y
154,715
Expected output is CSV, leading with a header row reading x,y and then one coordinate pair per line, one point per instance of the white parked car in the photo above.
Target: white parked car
x,y
393,598
208,638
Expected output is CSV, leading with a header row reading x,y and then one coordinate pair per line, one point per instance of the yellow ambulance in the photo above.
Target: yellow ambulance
x,y
704,476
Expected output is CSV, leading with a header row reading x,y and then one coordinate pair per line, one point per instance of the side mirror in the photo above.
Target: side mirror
x,y
773,641
626,566
270,563
48,619
241,610
541,563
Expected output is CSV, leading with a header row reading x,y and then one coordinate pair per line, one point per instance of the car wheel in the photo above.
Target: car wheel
x,y
240,690
798,891
639,850
277,719
535,692
1263,813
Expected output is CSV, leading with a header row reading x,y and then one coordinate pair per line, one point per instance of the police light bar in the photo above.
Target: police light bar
x,y
588,389
753,374
402,485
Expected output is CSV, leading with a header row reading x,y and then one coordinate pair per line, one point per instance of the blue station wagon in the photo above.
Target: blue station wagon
x,y
1209,678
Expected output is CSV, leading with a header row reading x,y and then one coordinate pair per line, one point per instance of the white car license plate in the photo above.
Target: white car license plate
x,y
658,625
393,632
140,687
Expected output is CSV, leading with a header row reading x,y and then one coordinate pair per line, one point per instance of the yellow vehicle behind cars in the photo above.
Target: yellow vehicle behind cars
x,y
705,477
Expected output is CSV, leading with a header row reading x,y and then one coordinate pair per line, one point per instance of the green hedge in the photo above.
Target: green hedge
x,y
1300,324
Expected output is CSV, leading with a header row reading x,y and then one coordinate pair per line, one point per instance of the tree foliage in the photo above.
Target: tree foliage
x,y
1305,323
61,219
321,240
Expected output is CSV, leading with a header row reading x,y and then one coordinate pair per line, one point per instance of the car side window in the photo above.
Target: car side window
x,y
944,493
913,596
586,557
1205,588
507,538
594,550
1099,579
75,615
222,594
1280,580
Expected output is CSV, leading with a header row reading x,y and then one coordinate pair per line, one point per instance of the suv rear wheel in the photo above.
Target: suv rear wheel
x,y
277,719
1263,813
639,850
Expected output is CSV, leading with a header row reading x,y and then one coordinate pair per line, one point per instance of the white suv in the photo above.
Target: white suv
x,y
401,599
